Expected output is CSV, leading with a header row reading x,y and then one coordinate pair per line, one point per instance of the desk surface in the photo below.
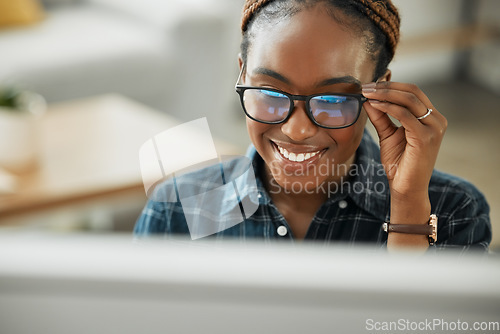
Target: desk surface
x,y
89,148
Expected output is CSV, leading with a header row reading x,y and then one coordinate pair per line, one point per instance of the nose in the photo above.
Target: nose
x,y
299,127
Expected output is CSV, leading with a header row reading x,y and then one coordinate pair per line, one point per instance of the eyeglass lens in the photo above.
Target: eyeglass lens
x,y
327,110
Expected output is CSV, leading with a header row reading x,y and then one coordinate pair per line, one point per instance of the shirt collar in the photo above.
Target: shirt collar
x,y
243,173
258,165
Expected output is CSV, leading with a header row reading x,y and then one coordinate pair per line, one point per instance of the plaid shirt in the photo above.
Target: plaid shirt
x,y
353,214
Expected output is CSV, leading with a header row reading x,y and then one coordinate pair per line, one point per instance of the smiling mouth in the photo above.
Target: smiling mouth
x,y
296,156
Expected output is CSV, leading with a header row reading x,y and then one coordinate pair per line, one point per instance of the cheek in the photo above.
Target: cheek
x,y
256,131
252,129
348,139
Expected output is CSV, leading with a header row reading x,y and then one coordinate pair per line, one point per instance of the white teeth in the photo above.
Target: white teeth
x,y
296,157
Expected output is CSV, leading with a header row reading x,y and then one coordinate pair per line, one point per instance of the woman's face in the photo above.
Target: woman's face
x,y
307,54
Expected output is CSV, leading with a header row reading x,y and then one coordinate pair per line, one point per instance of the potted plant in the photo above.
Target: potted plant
x,y
19,113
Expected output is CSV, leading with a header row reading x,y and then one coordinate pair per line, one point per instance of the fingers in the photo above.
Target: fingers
x,y
386,86
384,126
405,102
407,119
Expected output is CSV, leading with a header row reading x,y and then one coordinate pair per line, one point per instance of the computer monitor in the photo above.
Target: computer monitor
x,y
112,284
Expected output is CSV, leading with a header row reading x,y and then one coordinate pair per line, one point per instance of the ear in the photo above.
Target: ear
x,y
386,77
240,61
240,64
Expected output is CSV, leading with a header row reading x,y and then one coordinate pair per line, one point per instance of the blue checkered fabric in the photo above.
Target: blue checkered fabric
x,y
353,214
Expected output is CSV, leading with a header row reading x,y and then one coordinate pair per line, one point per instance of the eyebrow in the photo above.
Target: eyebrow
x,y
271,73
345,79
332,81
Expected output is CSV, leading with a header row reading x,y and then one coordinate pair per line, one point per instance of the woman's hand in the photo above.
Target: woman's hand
x,y
408,152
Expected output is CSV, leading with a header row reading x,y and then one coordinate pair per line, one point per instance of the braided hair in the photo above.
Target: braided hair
x,y
377,20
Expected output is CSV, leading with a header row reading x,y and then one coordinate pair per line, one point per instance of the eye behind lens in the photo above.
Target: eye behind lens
x,y
266,105
334,110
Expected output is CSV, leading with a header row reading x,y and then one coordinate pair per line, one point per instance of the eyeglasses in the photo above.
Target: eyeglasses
x,y
272,106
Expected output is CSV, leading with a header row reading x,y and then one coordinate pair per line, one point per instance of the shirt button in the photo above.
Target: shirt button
x,y
342,204
282,230
259,195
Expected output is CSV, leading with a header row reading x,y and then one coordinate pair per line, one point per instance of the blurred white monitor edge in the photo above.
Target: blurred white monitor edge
x,y
112,284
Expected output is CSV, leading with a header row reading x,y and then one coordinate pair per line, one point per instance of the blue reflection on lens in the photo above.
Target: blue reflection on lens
x,y
330,99
271,93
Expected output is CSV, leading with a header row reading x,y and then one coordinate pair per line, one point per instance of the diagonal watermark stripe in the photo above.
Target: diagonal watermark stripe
x,y
181,164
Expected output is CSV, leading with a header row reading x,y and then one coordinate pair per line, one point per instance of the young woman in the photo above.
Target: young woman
x,y
312,73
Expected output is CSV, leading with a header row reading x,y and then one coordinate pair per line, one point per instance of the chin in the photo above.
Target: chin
x,y
299,182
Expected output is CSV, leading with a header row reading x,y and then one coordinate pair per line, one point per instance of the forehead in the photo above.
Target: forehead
x,y
309,47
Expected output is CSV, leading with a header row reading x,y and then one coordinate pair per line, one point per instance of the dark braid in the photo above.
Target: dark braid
x,y
379,17
386,17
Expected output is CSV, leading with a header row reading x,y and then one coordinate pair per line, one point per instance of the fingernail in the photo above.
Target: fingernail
x,y
374,101
368,90
369,85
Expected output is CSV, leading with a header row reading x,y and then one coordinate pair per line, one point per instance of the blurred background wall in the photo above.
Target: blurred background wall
x,y
179,57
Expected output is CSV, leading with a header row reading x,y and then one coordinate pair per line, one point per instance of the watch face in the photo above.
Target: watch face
x,y
385,227
433,222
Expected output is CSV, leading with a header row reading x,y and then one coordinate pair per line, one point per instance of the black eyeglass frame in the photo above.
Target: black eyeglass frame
x,y
240,89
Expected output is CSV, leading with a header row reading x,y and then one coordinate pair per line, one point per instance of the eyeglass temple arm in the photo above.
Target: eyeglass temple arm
x,y
241,74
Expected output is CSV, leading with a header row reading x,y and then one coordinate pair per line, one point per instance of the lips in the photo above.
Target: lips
x,y
297,154
296,157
